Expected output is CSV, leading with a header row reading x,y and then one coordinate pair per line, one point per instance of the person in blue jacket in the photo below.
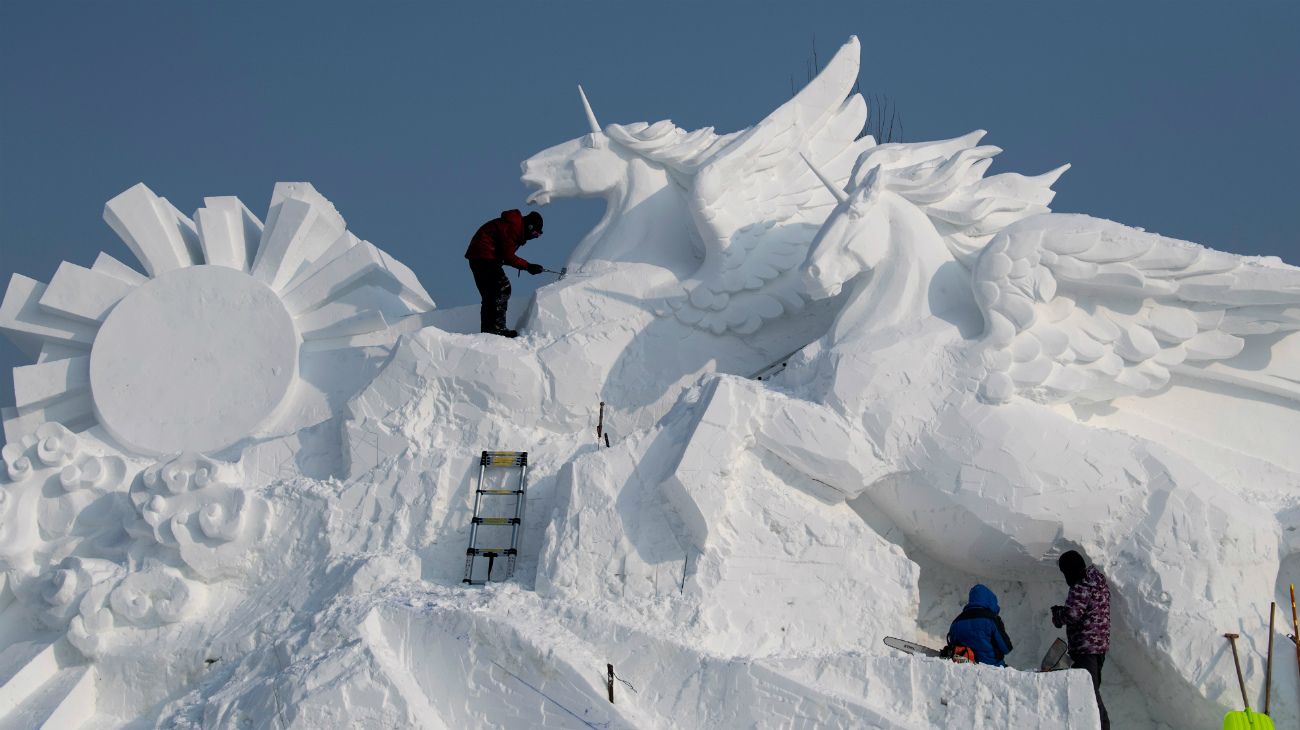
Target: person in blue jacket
x,y
980,628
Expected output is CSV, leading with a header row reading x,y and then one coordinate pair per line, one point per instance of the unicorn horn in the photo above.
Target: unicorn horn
x,y
839,194
586,107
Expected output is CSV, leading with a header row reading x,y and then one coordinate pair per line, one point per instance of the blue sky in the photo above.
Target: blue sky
x,y
413,117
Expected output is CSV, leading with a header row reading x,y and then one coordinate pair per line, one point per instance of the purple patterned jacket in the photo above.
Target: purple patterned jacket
x,y
1086,615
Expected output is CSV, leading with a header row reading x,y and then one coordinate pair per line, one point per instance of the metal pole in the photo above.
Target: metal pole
x,y
1268,670
473,525
600,423
521,504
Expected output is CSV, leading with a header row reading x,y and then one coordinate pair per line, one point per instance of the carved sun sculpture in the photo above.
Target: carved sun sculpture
x,y
201,350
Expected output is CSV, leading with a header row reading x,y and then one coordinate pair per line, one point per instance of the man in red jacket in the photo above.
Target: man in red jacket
x,y
492,247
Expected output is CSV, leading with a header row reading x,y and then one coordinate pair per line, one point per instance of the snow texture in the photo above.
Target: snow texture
x,y
842,382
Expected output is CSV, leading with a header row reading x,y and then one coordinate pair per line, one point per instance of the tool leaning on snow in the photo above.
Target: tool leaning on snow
x,y
1246,719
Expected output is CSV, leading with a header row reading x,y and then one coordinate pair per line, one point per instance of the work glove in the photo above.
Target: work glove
x,y
535,269
1058,616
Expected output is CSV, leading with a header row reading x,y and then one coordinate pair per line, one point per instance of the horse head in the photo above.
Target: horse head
x,y
591,165
851,241
883,238
642,170
912,195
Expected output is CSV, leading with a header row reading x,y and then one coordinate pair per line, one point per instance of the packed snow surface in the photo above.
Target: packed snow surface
x,y
841,383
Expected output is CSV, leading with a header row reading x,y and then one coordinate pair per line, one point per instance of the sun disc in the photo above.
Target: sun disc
x,y
194,360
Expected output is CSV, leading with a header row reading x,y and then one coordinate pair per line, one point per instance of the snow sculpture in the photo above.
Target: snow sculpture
x,y
191,508
144,600
1080,309
1072,308
745,200
203,350
738,549
58,497
237,334
1075,308
89,556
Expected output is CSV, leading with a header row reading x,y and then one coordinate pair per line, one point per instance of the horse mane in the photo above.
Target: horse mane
x,y
946,181
681,152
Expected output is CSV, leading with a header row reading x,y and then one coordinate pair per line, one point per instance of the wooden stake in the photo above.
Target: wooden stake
x,y
1268,666
600,424
609,683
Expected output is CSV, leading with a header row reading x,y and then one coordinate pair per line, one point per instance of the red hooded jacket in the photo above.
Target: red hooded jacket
x,y
498,239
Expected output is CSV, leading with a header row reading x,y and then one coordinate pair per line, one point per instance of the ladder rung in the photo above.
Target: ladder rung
x,y
496,520
504,458
500,491
491,551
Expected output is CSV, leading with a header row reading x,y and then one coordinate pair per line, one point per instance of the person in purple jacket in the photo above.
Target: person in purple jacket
x,y
1086,618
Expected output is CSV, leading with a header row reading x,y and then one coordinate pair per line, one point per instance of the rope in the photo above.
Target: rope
x,y
552,699
624,681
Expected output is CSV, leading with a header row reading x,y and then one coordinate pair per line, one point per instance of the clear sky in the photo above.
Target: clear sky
x,y
412,118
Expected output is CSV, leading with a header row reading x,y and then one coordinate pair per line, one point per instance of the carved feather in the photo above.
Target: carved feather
x,y
1114,310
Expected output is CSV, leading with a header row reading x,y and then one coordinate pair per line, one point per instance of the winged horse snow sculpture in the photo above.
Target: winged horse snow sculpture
x,y
745,200
1075,308
935,341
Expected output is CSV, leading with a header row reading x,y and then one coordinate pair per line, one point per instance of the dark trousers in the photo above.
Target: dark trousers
x,y
494,288
1093,663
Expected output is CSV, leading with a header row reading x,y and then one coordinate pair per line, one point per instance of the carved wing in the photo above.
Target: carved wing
x,y
757,205
1083,309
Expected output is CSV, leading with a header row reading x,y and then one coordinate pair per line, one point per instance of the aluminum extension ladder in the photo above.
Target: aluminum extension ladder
x,y
497,459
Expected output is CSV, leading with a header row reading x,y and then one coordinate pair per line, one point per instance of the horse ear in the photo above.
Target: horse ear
x,y
586,107
840,195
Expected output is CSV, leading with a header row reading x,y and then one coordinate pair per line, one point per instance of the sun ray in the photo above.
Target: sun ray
x,y
82,294
29,326
331,324
344,243
106,264
153,229
76,412
52,351
39,384
300,226
228,232
349,270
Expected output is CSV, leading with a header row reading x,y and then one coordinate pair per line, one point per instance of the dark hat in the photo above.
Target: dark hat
x,y
1072,566
534,221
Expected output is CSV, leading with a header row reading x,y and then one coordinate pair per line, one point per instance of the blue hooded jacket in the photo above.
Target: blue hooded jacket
x,y
980,628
